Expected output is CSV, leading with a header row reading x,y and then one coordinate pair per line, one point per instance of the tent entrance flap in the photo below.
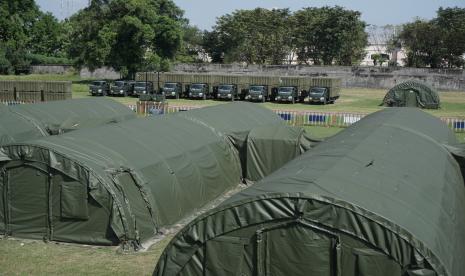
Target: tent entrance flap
x,y
292,247
25,204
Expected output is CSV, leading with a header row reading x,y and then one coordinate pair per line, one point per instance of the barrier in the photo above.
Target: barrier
x,y
327,119
16,102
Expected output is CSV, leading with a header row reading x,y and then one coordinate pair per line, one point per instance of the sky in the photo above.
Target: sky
x,y
203,13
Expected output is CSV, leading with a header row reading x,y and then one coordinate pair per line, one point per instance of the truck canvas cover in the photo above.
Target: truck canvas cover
x,y
31,121
384,197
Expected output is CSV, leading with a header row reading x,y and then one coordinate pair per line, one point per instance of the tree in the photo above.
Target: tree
x,y
330,35
423,41
125,34
451,22
253,36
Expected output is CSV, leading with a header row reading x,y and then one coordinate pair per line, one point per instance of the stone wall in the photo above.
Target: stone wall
x,y
101,73
51,69
357,76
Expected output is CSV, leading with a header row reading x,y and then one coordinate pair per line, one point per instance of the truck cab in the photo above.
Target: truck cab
x,y
172,90
142,88
121,88
287,94
320,95
257,93
199,91
97,88
227,92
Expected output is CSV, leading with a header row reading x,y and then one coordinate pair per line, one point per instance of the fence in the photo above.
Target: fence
x,y
296,118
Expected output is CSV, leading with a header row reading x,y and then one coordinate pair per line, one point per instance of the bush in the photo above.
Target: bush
x,y
37,59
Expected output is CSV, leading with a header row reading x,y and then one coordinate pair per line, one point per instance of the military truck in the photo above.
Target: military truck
x,y
324,90
227,92
199,91
172,90
99,88
122,88
142,87
287,94
258,93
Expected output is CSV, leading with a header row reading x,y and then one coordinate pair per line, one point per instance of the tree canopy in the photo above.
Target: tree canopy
x,y
125,34
320,35
436,43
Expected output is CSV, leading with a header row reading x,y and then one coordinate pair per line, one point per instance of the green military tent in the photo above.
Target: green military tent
x,y
270,147
125,182
263,140
30,121
412,94
383,197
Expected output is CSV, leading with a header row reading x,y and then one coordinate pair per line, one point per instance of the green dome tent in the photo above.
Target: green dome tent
x,y
31,121
383,197
123,183
263,141
412,94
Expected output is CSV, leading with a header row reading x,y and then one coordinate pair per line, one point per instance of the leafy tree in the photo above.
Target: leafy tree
x,y
192,45
423,41
45,36
330,34
451,22
125,34
25,31
252,36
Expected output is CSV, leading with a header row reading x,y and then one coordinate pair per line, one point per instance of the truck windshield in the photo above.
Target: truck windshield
x,y
98,83
170,85
197,86
119,83
225,87
256,88
139,84
285,89
317,90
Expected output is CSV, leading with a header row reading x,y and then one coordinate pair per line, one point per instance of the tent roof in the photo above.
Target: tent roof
x,y
174,159
41,119
390,168
233,118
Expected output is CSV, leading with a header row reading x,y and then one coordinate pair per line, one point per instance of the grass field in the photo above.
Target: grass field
x,y
39,258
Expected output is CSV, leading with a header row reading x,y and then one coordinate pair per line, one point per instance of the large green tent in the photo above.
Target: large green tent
x,y
270,147
122,183
263,140
30,121
412,94
383,197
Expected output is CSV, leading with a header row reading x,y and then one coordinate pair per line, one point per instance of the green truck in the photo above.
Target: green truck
x,y
227,92
99,88
287,94
122,88
172,90
199,91
142,88
324,90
